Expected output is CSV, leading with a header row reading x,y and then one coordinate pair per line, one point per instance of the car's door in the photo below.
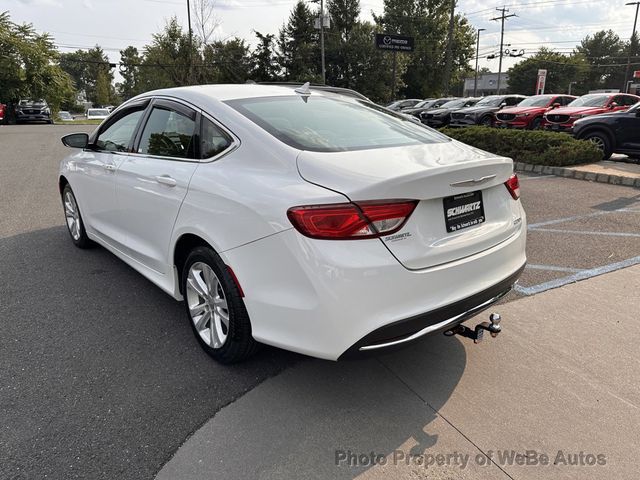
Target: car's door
x,y
621,103
94,182
152,182
627,130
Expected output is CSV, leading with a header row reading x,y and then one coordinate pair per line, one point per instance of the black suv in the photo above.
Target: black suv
x,y
615,132
482,113
33,111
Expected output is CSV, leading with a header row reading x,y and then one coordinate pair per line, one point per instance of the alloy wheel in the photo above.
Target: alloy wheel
x,y
72,215
207,305
598,142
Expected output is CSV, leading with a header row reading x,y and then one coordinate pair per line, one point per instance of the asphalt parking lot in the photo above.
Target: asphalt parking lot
x,y
101,375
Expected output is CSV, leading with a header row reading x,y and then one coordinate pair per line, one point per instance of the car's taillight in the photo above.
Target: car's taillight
x,y
351,221
513,185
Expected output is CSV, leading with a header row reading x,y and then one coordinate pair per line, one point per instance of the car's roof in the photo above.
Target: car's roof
x,y
224,92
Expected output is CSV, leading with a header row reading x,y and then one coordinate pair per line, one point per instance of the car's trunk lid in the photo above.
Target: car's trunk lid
x,y
447,178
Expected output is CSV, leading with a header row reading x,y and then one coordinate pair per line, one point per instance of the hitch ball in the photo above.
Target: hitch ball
x,y
495,328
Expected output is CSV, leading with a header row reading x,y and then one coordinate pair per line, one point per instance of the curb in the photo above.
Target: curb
x,y
577,174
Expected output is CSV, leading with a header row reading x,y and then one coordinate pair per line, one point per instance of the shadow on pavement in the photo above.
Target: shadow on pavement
x,y
317,419
101,376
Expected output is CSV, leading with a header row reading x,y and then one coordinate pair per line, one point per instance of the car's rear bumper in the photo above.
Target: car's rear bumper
x,y
403,332
322,298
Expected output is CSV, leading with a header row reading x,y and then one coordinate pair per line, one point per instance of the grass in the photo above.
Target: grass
x,y
79,122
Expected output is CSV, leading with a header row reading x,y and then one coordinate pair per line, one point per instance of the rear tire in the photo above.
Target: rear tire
x,y
602,141
215,308
73,219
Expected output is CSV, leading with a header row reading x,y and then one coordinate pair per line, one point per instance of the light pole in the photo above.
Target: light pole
x,y
571,84
190,71
633,35
324,70
475,83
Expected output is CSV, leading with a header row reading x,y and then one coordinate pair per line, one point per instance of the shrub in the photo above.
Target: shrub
x,y
527,146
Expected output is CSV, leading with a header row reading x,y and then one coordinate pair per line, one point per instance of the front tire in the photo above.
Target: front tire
x,y
73,218
215,308
536,123
486,121
602,141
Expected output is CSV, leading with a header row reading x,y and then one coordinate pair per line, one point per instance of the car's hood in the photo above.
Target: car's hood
x,y
577,111
417,171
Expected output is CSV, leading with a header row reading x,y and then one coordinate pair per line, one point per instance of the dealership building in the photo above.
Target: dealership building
x,y
487,84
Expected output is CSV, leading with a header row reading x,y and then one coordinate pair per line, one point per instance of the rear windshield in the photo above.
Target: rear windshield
x,y
324,124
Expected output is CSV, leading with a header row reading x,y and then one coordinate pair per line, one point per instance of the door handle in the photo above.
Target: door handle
x,y
166,180
109,167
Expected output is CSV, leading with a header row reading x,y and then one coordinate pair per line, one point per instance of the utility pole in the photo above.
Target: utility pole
x,y
324,70
503,17
633,35
449,52
475,83
190,71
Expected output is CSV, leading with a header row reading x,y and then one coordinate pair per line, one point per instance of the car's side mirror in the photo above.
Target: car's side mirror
x,y
503,104
613,105
555,105
76,140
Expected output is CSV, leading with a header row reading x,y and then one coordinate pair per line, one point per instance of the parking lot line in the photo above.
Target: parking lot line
x,y
535,178
581,275
533,226
586,232
553,268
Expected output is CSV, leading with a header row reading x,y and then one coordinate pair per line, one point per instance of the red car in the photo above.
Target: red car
x,y
561,119
528,113
1,112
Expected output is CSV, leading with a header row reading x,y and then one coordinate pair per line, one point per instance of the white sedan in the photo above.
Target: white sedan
x,y
304,219
97,113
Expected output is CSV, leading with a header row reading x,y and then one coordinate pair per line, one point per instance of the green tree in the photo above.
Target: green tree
x,y
102,94
427,21
85,67
29,66
601,50
298,46
170,58
561,70
341,51
227,62
130,70
265,68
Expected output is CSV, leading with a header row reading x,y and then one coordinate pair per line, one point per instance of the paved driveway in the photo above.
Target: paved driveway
x,y
101,377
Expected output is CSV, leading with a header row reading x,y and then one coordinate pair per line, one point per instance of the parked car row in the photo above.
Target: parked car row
x,y
610,120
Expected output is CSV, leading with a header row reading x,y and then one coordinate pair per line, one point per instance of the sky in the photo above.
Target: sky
x,y
115,24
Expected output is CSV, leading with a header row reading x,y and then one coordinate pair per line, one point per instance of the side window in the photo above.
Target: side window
x,y
214,141
168,134
628,101
512,101
117,136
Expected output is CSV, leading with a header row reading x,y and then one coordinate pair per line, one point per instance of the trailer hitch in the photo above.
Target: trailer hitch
x,y
492,326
